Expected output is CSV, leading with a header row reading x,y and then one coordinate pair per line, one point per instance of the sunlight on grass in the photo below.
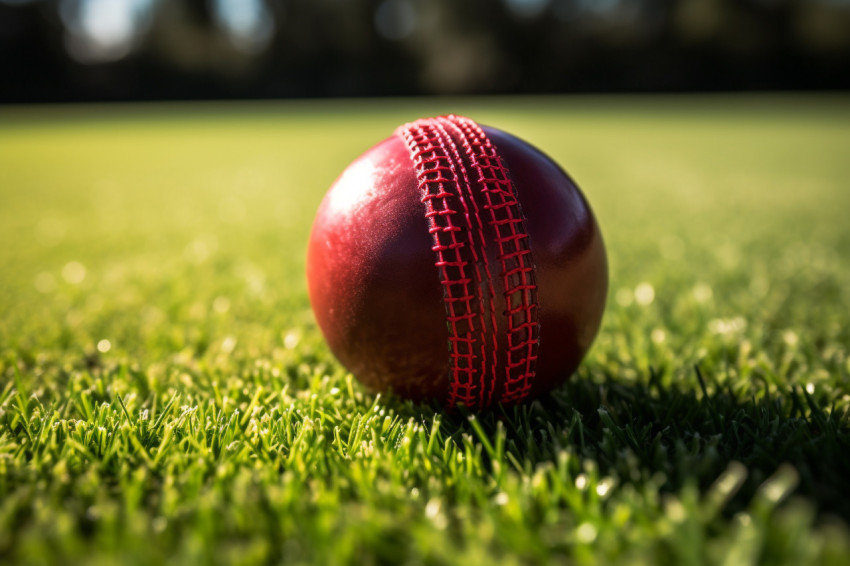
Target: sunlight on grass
x,y
165,395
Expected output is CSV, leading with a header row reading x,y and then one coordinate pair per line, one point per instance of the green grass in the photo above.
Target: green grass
x,y
166,397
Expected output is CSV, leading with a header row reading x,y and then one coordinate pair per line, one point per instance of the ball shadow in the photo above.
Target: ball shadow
x,y
689,432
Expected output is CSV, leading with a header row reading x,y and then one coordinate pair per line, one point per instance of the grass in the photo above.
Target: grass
x,y
165,395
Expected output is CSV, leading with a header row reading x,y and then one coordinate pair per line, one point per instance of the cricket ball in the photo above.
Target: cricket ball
x,y
455,262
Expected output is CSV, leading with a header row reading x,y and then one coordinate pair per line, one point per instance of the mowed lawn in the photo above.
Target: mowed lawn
x,y
166,397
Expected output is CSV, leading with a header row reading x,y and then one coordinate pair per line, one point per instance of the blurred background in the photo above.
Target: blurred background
x,y
101,50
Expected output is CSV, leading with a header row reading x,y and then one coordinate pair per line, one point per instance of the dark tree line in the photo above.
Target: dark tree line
x,y
181,49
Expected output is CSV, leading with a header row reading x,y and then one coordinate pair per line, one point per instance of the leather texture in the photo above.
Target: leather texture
x,y
376,292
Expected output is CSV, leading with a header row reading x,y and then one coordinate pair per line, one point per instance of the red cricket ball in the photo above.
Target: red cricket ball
x,y
456,262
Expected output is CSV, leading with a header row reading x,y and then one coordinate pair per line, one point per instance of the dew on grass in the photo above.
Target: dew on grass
x,y
702,292
676,511
658,336
228,344
290,341
790,338
433,510
74,272
731,480
644,294
221,304
586,533
581,481
727,326
781,484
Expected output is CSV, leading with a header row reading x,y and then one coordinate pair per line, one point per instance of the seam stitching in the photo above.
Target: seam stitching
x,y
516,262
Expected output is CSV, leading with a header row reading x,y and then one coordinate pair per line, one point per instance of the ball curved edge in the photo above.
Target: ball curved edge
x,y
571,265
371,279
376,295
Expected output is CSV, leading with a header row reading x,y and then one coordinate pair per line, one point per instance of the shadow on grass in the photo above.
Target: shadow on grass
x,y
687,431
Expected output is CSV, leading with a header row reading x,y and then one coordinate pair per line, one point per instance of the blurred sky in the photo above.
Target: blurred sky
x,y
56,50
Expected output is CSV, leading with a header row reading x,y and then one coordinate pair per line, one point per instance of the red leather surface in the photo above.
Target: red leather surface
x,y
376,292
572,268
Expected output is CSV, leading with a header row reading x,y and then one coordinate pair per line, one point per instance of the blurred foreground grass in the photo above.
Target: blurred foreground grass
x,y
165,395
